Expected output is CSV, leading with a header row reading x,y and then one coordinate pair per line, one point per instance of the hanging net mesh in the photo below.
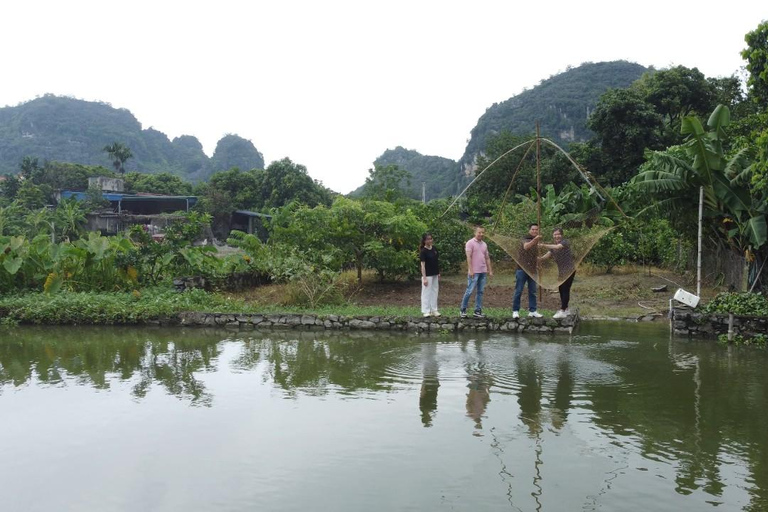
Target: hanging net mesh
x,y
579,235
584,220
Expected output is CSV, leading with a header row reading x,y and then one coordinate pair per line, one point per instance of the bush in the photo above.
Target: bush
x,y
743,304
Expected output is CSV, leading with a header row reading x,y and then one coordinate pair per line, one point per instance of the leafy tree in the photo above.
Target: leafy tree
x,y
284,181
386,183
676,93
756,55
163,183
9,186
32,196
736,211
625,125
119,154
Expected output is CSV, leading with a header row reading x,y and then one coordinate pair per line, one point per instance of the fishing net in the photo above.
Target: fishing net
x,y
579,237
582,226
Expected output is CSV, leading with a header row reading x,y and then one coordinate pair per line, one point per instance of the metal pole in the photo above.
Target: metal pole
x,y
424,192
698,262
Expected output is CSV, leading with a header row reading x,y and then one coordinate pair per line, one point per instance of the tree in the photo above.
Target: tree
x,y
119,154
756,55
162,183
735,210
625,125
387,183
284,181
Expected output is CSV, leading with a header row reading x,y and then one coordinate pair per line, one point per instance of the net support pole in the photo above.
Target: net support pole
x,y
698,257
538,207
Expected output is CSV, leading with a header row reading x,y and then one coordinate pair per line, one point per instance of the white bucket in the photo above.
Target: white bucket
x,y
686,298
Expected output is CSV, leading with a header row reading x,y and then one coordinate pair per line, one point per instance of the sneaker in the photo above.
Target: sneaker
x,y
435,313
427,315
534,314
515,314
567,312
560,314
463,313
478,314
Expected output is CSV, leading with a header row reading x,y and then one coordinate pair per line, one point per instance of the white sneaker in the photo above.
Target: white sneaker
x,y
567,312
427,315
435,313
534,314
560,314
515,314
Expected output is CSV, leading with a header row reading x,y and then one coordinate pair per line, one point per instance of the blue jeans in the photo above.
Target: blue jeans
x,y
520,279
477,281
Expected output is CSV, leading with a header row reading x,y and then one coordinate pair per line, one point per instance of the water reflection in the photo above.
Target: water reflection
x,y
604,411
94,356
429,383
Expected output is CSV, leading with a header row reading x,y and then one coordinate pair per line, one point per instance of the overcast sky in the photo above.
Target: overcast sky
x,y
332,84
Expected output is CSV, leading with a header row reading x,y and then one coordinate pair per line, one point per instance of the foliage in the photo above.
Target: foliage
x,y
735,211
742,304
756,55
376,234
625,125
112,308
162,183
386,183
119,154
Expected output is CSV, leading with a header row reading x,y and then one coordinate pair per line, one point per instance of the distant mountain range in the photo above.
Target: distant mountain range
x,y
560,104
70,130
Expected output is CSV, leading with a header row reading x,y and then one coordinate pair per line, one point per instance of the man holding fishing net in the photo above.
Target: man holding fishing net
x,y
527,259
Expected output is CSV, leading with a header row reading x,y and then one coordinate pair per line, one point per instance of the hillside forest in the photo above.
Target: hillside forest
x,y
650,144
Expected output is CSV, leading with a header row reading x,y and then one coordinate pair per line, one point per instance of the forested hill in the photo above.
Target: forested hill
x,y
439,176
70,130
561,104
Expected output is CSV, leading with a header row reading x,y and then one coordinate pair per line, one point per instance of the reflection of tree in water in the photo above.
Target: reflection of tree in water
x,y
429,383
691,404
350,361
166,357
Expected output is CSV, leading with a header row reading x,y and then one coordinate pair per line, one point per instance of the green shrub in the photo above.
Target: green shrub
x,y
747,304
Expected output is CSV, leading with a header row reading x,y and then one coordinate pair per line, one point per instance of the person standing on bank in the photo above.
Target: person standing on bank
x,y
430,276
478,271
561,252
527,259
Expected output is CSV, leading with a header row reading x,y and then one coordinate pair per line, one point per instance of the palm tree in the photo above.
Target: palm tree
x,y
119,153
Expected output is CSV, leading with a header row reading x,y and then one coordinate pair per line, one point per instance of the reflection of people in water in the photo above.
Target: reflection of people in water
x,y
429,384
478,395
563,392
529,396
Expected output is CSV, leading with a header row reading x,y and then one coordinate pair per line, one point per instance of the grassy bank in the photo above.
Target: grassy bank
x,y
627,292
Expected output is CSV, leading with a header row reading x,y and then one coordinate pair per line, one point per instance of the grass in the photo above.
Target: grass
x,y
624,293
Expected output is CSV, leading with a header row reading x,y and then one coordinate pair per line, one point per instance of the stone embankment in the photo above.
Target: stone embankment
x,y
382,323
689,322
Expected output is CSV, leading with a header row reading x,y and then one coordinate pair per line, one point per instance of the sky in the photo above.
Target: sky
x,y
332,84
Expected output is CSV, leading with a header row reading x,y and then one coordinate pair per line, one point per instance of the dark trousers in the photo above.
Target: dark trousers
x,y
565,292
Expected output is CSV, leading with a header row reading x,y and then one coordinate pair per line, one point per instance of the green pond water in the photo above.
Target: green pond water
x,y
618,417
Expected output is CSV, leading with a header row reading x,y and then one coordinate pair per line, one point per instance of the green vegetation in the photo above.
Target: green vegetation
x,y
65,129
649,142
742,304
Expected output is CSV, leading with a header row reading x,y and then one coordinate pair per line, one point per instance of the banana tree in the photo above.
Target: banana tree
x,y
735,212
